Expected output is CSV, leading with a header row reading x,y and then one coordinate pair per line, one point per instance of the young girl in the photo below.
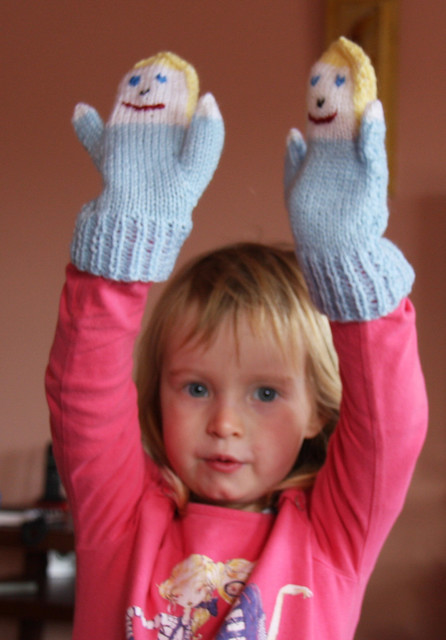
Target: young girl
x,y
236,520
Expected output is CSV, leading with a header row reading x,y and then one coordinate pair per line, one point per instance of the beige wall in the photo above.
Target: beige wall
x,y
254,55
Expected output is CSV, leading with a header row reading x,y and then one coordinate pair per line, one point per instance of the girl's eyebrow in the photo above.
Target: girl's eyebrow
x,y
276,381
183,371
270,376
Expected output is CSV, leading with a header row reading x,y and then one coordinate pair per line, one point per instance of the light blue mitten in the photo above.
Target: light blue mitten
x,y
157,154
336,192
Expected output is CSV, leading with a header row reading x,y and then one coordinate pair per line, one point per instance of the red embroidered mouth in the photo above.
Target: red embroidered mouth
x,y
144,107
325,120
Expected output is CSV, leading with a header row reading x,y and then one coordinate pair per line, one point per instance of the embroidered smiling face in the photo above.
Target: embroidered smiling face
x,y
159,90
331,113
341,84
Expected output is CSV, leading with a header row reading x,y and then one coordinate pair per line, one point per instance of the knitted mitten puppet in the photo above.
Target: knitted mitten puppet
x,y
157,153
336,192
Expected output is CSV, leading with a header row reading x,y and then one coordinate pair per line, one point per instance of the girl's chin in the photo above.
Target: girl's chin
x,y
241,505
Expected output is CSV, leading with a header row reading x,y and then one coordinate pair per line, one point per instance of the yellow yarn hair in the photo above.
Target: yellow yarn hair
x,y
344,52
172,61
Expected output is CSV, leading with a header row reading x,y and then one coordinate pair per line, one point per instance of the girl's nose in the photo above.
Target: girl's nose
x,y
144,91
320,102
225,421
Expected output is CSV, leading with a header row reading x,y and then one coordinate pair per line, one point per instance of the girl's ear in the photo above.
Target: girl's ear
x,y
315,425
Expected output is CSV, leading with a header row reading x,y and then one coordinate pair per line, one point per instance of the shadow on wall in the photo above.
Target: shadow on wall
x,y
419,594
431,285
21,474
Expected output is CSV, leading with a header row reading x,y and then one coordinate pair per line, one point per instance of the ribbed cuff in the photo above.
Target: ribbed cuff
x,y
360,285
125,249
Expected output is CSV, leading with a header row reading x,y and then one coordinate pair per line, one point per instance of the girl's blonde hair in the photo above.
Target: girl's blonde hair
x,y
345,53
172,61
265,285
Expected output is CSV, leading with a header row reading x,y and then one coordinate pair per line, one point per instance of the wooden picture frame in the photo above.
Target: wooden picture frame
x,y
373,24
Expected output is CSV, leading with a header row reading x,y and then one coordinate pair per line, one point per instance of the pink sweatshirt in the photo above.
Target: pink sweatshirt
x,y
144,572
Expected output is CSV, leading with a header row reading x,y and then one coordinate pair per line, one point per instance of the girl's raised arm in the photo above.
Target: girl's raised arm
x,y
337,202
129,235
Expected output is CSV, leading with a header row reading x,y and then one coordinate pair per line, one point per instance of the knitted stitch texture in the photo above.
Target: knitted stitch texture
x,y
157,154
336,195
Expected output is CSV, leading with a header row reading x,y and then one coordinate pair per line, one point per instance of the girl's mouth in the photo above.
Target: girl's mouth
x,y
223,464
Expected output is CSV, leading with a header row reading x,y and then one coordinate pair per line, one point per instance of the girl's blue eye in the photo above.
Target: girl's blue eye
x,y
339,80
314,80
134,81
161,78
265,394
197,390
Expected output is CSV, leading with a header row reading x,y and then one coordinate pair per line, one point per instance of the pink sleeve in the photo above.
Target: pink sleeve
x,y
362,487
93,405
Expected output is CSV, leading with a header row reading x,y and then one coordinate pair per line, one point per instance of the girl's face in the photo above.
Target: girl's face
x,y
235,414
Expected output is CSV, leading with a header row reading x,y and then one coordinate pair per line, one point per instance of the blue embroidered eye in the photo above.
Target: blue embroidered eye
x,y
134,81
161,78
339,80
314,80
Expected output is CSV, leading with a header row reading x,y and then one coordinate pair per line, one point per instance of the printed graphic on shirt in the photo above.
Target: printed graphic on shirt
x,y
193,591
